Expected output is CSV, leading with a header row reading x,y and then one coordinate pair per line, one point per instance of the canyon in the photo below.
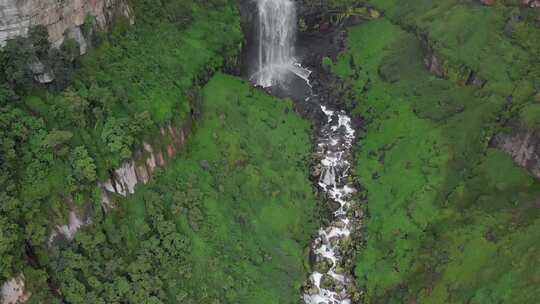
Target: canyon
x,y
372,153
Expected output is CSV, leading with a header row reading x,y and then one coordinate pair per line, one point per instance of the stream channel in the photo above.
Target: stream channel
x,y
277,69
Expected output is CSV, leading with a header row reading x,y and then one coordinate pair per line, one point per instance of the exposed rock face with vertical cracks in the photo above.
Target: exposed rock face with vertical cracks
x,y
523,145
63,19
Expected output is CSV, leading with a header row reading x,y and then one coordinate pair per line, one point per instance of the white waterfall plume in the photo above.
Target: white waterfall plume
x,y
276,38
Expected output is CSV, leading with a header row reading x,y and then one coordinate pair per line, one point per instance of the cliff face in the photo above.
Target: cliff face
x,y
523,145
122,182
135,171
61,18
144,163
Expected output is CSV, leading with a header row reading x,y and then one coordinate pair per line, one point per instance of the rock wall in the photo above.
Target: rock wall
x,y
523,145
143,165
62,18
325,15
121,183
123,180
437,65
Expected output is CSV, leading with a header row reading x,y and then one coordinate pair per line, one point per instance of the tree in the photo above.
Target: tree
x,y
83,165
18,53
8,238
57,138
38,37
179,12
6,93
116,138
73,290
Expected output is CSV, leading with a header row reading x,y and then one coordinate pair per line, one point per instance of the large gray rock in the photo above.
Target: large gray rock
x,y
13,291
523,145
41,74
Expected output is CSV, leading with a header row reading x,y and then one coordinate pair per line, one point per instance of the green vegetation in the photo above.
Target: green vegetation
x,y
332,12
451,219
227,222
57,140
499,44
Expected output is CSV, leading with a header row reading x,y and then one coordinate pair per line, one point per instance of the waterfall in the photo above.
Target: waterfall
x,y
276,38
329,282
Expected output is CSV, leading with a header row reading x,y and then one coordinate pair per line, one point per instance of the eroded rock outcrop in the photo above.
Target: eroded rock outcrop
x,y
523,145
124,179
61,18
143,165
322,16
432,61
437,65
13,291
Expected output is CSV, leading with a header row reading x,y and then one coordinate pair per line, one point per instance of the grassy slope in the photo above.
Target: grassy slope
x,y
451,220
500,43
239,196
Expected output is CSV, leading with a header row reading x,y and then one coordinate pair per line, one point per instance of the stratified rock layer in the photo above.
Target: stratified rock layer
x,y
61,18
142,166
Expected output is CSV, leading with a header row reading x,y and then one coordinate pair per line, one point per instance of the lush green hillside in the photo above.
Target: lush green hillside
x,y
451,219
227,222
57,141
499,44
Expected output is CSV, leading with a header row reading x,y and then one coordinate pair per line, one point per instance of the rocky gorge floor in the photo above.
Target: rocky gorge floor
x,y
319,100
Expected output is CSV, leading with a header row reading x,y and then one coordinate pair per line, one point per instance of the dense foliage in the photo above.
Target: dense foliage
x,y
56,141
227,222
463,225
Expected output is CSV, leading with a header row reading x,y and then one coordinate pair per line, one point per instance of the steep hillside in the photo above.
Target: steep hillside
x,y
59,140
227,222
452,218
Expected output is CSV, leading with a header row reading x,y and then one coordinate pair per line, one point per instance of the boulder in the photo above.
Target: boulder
x,y
41,73
323,265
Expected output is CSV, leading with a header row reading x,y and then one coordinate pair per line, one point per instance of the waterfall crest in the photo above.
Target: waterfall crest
x,y
276,38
